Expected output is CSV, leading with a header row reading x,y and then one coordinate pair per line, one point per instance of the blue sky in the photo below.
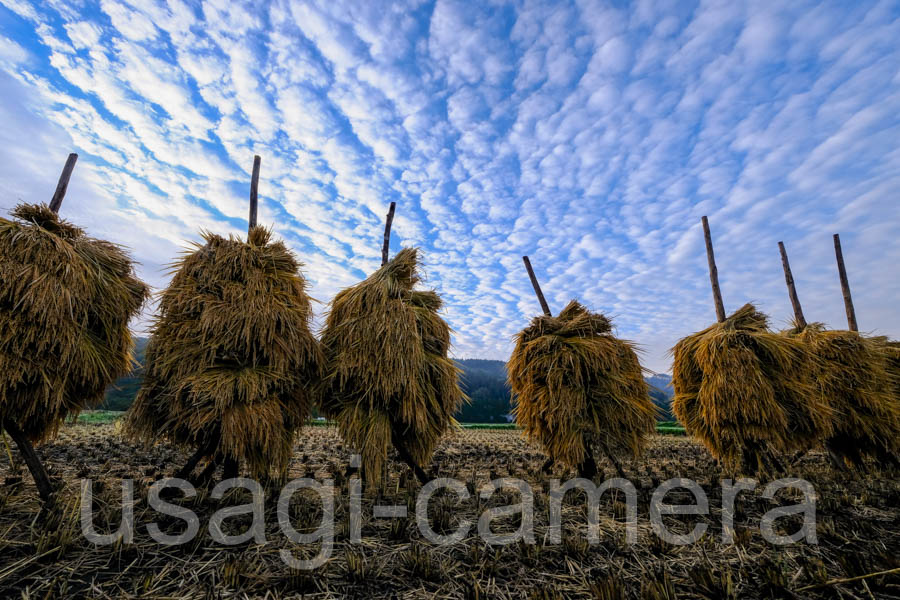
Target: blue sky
x,y
591,136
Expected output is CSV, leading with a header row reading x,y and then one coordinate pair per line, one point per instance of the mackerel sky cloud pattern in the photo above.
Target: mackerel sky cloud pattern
x,y
591,136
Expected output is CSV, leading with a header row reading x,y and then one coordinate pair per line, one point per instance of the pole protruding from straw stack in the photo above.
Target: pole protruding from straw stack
x,y
537,287
799,319
845,285
385,248
63,183
713,272
254,186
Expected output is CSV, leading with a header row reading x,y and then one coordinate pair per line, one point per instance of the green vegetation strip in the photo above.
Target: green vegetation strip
x,y
100,417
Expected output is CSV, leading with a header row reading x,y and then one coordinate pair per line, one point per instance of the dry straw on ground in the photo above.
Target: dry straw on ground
x,y
232,363
389,380
746,392
857,376
856,524
578,389
65,303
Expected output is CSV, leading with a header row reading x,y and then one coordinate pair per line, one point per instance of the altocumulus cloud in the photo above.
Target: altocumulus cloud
x,y
588,135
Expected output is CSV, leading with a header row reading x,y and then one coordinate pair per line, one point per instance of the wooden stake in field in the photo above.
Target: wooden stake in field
x,y
845,285
713,272
58,357
799,319
254,185
537,287
386,245
232,365
578,389
390,380
63,183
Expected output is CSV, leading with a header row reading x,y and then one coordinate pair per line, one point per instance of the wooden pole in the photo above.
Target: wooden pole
x,y
537,287
713,272
63,183
38,472
799,320
254,185
845,285
385,248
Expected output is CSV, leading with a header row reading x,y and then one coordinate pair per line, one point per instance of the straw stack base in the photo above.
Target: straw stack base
x,y
588,468
419,472
579,390
853,373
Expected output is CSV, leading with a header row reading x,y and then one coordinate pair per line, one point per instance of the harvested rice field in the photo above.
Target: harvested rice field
x,y
45,555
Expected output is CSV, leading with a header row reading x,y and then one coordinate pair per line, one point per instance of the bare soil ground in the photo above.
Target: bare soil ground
x,y
43,554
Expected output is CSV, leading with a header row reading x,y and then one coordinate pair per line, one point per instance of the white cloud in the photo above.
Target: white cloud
x,y
130,23
12,53
589,137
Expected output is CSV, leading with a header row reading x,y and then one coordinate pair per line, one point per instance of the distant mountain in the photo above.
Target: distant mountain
x,y
662,382
661,391
484,381
121,394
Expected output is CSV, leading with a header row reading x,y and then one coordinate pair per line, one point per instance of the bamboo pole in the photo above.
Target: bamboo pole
x,y
537,287
385,248
254,186
713,272
845,285
63,183
799,319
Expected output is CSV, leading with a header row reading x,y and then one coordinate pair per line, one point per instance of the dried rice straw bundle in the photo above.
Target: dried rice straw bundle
x,y
579,390
854,374
858,378
389,379
231,365
891,350
745,392
65,305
